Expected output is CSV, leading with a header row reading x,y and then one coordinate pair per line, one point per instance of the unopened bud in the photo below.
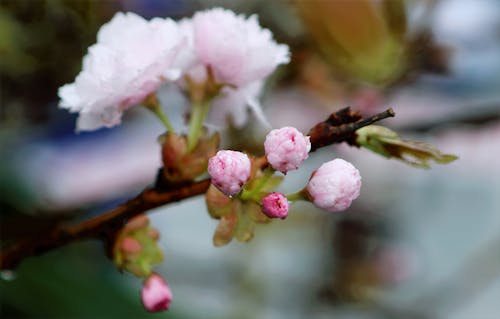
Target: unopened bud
x,y
130,245
156,294
229,170
286,148
275,205
334,185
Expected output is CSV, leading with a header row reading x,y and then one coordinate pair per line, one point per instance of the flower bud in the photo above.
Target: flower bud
x,y
334,185
286,148
275,205
130,245
156,295
181,165
136,247
229,170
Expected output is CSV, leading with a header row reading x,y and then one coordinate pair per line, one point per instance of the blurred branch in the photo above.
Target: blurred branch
x,y
474,114
102,227
339,127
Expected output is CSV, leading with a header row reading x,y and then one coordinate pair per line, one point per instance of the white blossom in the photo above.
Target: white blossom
x,y
232,104
238,49
131,59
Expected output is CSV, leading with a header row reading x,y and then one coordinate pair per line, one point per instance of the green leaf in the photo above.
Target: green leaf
x,y
387,143
225,230
245,228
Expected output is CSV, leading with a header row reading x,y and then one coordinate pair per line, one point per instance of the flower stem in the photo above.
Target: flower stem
x,y
163,117
198,115
152,104
261,183
300,195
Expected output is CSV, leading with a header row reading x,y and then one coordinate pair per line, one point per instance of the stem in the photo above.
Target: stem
x,y
198,115
163,117
341,127
300,195
261,183
375,118
152,104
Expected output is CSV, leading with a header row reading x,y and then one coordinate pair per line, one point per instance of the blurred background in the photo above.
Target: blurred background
x,y
416,244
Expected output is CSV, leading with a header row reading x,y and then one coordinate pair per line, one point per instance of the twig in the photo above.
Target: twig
x,y
339,127
101,227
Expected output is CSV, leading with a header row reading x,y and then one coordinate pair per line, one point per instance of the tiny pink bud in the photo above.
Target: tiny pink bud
x,y
286,148
275,205
229,170
155,294
137,222
154,234
130,245
334,185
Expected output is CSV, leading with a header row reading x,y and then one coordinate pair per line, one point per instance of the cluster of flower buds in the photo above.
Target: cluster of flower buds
x,y
220,60
136,250
243,186
136,247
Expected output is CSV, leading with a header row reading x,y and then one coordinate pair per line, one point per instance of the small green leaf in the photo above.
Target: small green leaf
x,y
225,230
245,228
218,204
387,143
254,212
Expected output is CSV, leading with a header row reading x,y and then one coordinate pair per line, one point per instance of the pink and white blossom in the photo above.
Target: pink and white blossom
x,y
275,205
238,49
334,185
286,148
131,59
229,170
240,54
156,294
232,104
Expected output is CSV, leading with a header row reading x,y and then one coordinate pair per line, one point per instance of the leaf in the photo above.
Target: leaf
x,y
225,230
387,143
417,153
218,204
245,228
254,212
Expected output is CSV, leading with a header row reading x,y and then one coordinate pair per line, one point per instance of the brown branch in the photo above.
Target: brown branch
x,y
101,227
339,127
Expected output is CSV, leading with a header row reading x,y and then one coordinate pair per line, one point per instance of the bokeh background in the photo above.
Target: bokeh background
x,y
416,244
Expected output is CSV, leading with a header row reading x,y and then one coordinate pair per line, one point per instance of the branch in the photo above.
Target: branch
x,y
102,227
339,127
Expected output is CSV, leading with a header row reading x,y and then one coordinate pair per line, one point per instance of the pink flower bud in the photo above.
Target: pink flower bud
x,y
275,205
229,170
334,185
286,148
155,294
130,245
